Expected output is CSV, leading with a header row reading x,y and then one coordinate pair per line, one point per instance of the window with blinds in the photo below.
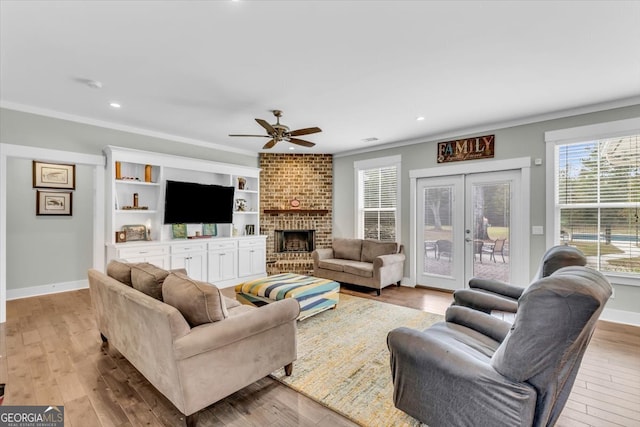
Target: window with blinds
x,y
378,200
598,201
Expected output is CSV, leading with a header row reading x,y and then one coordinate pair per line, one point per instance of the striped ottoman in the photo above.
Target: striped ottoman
x,y
312,293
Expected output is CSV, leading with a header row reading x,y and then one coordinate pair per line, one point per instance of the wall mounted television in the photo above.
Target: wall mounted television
x,y
194,203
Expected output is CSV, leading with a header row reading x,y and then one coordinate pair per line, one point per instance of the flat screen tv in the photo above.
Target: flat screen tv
x,y
193,203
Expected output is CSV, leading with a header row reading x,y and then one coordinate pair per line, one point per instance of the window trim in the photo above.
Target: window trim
x,y
379,162
572,135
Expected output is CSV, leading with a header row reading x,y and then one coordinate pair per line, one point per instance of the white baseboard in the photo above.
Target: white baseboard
x,y
621,316
406,281
53,288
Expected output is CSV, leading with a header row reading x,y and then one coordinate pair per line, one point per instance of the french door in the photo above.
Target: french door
x,y
468,226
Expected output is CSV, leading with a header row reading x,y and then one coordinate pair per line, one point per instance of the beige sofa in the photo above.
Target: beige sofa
x,y
369,263
193,366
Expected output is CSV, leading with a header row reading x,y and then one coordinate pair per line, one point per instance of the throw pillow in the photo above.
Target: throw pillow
x,y
148,278
373,248
199,302
121,271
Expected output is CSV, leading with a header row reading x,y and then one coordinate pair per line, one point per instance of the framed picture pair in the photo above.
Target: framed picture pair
x,y
56,178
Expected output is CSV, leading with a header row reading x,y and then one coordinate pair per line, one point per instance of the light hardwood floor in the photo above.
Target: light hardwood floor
x,y
51,354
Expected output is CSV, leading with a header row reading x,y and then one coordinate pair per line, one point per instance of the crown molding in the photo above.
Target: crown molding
x,y
115,126
593,108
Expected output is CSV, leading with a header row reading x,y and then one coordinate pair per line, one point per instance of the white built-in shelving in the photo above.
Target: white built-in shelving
x,y
205,259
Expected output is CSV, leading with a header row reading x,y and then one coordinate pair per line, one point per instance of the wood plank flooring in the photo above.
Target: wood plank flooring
x,y
51,354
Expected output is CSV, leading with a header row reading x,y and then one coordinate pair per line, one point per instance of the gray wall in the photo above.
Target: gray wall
x,y
38,131
46,250
511,142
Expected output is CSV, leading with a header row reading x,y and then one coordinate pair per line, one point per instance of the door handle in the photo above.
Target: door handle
x,y
468,239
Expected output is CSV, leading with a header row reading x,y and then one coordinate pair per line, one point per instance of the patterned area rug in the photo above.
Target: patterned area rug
x,y
343,360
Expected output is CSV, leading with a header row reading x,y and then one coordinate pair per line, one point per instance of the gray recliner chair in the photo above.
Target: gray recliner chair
x,y
476,370
493,295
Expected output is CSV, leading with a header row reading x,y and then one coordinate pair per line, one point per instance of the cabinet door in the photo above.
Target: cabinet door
x,y
258,260
197,266
222,265
193,263
161,261
251,260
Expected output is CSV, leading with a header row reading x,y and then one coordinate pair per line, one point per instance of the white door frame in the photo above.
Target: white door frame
x,y
523,164
49,155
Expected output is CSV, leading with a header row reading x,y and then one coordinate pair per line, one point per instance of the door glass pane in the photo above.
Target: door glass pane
x,y
439,249
490,231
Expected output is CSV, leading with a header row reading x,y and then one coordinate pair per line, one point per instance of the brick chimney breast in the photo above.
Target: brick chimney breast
x,y
307,178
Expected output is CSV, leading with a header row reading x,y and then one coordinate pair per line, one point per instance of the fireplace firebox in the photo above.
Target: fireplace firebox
x,y
288,241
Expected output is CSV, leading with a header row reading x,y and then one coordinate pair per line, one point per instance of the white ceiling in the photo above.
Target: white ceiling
x,y
199,70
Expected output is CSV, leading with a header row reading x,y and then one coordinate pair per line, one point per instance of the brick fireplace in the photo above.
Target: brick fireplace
x,y
296,202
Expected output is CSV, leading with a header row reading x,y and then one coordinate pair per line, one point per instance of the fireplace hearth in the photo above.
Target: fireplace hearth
x,y
292,241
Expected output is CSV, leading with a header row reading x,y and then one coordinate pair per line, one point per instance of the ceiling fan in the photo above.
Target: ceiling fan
x,y
279,132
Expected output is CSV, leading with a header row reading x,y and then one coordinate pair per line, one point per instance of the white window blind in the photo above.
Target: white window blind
x,y
598,201
378,200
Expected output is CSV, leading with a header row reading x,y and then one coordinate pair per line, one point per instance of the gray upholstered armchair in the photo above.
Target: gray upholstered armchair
x,y
493,295
476,370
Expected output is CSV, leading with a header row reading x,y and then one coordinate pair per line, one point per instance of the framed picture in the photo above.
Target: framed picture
x,y
50,175
53,203
209,229
135,232
179,231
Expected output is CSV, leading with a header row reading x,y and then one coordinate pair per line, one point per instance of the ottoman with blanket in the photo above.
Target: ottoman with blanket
x,y
313,294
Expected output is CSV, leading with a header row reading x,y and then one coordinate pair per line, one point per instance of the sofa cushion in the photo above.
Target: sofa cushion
x,y
148,278
347,248
374,248
121,271
332,264
199,302
359,268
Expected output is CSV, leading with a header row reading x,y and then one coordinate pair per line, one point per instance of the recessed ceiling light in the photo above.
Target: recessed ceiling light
x,y
291,148
419,118
114,105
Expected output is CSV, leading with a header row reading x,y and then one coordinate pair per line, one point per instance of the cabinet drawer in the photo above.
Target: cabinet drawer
x,y
216,246
251,243
142,251
183,249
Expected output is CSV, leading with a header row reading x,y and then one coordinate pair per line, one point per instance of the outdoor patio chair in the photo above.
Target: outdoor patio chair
x,y
492,250
444,248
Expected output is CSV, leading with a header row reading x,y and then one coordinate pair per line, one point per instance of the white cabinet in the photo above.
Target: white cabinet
x,y
191,257
153,254
252,257
136,190
222,261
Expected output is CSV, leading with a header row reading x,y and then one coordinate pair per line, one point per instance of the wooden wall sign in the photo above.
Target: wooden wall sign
x,y
480,147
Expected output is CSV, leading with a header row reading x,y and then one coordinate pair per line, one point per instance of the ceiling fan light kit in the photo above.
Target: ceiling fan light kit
x,y
279,132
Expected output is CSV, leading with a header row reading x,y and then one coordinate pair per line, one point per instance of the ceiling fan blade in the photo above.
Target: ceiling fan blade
x,y
269,144
266,125
305,131
257,136
301,142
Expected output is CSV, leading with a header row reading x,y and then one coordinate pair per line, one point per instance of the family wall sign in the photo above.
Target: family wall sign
x,y
480,147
